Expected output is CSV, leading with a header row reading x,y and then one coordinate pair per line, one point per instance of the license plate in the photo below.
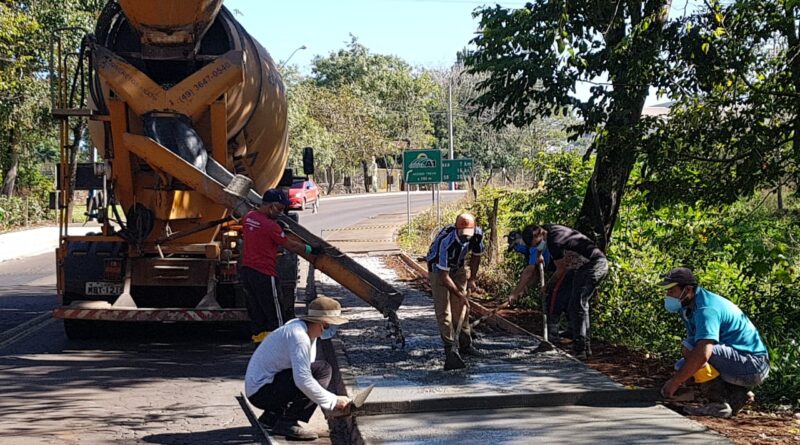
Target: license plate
x,y
103,288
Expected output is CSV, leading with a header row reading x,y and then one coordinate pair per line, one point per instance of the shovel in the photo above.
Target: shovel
x,y
490,314
544,345
453,359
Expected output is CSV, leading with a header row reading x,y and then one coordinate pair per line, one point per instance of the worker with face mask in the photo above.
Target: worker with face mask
x,y
262,237
571,251
448,280
723,350
284,378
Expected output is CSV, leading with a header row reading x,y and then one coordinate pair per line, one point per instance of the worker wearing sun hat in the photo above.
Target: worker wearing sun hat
x,y
721,341
283,377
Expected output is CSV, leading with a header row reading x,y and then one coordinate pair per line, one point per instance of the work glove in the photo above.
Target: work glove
x,y
317,250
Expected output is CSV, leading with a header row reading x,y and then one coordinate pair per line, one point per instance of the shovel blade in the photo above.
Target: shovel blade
x,y
453,360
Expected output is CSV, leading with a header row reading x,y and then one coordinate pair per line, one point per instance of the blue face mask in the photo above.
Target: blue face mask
x,y
672,304
329,332
541,246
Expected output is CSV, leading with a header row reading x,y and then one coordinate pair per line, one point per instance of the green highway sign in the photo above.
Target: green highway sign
x,y
456,169
422,166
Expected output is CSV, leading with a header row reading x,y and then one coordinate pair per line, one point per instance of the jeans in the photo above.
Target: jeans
x,y
736,367
285,399
587,277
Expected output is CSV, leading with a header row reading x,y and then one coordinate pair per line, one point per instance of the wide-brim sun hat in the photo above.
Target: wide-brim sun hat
x,y
324,310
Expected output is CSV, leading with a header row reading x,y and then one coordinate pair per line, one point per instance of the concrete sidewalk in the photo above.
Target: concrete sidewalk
x,y
35,241
562,400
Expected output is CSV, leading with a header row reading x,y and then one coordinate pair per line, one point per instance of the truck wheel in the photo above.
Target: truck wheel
x,y
79,329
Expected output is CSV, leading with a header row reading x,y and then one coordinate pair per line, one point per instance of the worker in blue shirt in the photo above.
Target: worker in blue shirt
x,y
722,349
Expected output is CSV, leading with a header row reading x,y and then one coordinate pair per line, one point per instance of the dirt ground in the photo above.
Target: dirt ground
x,y
631,368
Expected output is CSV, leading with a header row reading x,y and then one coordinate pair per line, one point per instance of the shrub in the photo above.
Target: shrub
x,y
745,252
16,211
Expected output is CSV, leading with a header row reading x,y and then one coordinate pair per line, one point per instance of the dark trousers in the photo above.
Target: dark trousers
x,y
285,399
587,277
263,300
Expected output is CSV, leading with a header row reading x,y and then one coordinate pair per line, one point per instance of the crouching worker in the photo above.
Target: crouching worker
x,y
448,280
283,377
723,350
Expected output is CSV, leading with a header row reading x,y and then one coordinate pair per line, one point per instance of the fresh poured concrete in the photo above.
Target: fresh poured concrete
x,y
570,424
407,405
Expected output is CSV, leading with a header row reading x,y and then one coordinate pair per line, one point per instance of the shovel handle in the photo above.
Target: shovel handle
x,y
492,313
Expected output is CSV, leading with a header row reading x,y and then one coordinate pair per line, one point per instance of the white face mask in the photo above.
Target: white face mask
x,y
541,246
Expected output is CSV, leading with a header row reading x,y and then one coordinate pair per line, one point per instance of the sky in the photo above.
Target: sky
x,y
425,33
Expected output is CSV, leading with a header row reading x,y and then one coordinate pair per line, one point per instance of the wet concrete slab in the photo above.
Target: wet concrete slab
x,y
414,378
547,425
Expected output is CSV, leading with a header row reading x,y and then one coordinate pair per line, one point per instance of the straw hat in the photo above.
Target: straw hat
x,y
324,310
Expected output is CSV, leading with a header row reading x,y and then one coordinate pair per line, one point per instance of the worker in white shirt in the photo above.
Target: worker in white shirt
x,y
283,377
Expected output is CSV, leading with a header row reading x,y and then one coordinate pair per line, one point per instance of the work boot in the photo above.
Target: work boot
x,y
292,430
452,359
268,419
738,397
581,349
714,390
552,333
471,351
711,409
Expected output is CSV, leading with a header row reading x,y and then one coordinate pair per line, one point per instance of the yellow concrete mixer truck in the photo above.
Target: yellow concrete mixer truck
x,y
188,119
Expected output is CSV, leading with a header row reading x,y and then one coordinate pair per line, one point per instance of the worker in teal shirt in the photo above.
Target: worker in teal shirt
x,y
721,341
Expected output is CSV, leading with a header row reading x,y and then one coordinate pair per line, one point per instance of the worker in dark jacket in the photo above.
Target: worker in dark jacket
x,y
570,251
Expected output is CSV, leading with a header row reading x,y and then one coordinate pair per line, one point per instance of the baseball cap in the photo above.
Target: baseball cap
x,y
465,223
678,276
275,195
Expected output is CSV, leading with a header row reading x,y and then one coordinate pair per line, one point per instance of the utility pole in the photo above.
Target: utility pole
x,y
450,119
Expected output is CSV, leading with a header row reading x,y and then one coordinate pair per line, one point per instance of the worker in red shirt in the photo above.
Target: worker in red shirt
x,y
262,238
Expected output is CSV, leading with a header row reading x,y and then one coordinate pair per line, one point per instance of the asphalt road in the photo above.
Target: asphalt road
x,y
169,385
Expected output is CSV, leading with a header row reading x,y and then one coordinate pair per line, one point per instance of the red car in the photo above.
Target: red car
x,y
304,194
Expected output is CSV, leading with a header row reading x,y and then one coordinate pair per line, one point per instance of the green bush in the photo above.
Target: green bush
x,y
13,211
745,252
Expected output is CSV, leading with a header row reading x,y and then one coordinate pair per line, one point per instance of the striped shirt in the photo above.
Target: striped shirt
x,y
447,251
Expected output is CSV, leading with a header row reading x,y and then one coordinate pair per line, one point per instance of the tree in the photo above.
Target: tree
x,y
735,125
26,29
398,97
533,58
350,121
